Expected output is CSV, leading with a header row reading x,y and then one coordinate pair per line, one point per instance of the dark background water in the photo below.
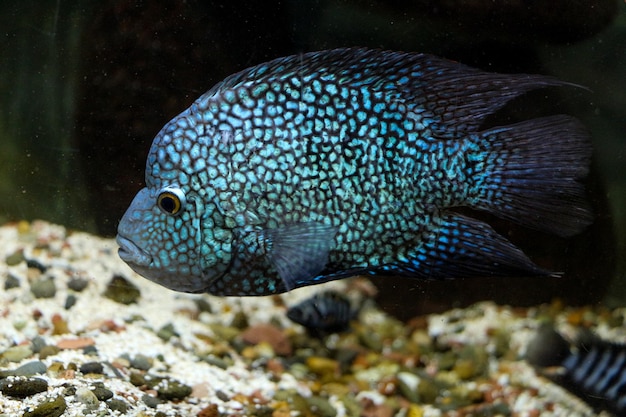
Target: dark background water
x,y
85,86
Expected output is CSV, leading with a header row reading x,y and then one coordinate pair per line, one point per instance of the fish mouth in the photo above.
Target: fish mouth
x,y
130,253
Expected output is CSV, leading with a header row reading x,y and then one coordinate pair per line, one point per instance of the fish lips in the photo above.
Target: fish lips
x,y
132,254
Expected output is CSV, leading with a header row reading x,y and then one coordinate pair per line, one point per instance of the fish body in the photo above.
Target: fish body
x,y
324,313
329,164
593,369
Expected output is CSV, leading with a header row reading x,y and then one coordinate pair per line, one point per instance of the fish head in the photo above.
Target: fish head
x,y
171,234
163,237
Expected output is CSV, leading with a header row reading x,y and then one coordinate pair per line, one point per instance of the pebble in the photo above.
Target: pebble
x,y
35,264
91,368
167,332
54,408
141,362
101,392
77,343
11,282
70,301
59,325
22,387
17,353
77,284
151,401
322,366
118,406
48,351
15,258
170,389
86,397
43,288
37,343
28,369
122,290
276,338
203,305
209,411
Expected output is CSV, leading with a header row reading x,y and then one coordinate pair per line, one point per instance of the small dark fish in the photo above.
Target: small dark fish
x,y
326,165
323,313
594,369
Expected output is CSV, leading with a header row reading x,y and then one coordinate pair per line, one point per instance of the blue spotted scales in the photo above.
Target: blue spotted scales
x,y
325,165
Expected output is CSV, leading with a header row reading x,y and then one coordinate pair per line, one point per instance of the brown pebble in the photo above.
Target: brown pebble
x,y
78,343
209,411
281,409
270,334
59,325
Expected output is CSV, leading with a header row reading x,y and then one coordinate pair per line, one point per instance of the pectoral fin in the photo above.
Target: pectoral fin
x,y
299,252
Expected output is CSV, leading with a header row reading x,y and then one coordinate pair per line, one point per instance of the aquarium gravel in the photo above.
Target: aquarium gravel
x,y
82,335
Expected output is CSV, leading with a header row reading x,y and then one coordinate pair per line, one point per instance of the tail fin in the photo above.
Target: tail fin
x,y
534,173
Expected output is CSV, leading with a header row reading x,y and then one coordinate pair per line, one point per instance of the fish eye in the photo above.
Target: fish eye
x,y
171,200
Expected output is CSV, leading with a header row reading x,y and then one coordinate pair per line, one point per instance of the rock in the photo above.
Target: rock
x,y
59,325
209,411
28,369
37,344
43,288
17,353
78,343
170,389
77,284
118,405
70,301
48,351
270,334
15,258
121,290
85,396
151,401
54,408
11,282
167,332
22,387
91,368
141,362
101,392
33,263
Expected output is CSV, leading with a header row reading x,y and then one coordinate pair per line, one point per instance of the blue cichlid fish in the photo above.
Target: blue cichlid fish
x,y
323,313
591,368
329,164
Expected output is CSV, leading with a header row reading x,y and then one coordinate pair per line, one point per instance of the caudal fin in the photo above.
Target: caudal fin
x,y
533,174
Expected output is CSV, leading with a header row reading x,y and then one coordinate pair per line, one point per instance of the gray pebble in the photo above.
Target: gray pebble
x,y
77,284
141,362
101,392
28,369
70,300
37,344
91,368
150,401
11,282
43,288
